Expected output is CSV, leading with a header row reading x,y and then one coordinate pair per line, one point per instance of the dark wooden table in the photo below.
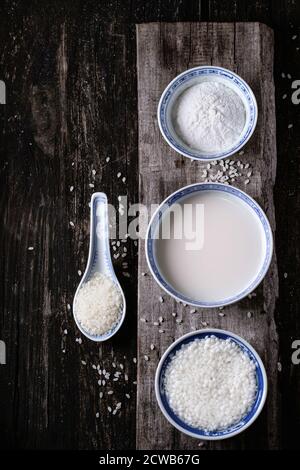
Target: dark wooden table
x,y
70,74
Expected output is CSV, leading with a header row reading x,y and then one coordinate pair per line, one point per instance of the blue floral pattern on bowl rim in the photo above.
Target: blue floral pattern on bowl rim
x,y
183,78
248,419
175,197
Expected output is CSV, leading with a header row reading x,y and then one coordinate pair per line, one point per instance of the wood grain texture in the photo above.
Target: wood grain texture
x,y
83,52
163,51
61,87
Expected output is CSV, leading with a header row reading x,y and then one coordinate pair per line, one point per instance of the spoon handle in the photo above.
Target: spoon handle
x,y
99,255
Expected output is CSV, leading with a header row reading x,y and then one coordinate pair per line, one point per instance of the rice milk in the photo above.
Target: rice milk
x,y
229,252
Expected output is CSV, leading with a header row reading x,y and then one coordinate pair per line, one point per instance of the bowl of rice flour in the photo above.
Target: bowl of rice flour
x,y
211,384
207,113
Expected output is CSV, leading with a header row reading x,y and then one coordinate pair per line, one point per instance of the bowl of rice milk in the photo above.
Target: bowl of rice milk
x,y
211,384
207,113
209,245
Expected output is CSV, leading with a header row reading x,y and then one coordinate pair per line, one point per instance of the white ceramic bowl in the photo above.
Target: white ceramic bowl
x,y
192,77
248,419
177,197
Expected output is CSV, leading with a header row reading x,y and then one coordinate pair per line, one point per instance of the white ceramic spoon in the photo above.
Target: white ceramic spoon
x,y
99,260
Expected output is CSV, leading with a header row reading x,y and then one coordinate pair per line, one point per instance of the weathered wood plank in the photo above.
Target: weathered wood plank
x,y
28,44
163,52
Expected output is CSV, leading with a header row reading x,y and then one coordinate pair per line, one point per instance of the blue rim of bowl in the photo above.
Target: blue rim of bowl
x,y
177,196
249,418
209,71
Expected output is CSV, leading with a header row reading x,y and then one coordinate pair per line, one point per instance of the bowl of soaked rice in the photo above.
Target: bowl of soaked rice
x,y
211,384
